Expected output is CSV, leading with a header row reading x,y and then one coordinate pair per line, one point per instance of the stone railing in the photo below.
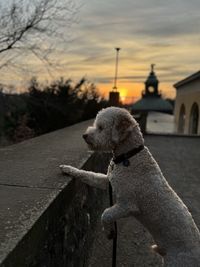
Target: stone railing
x,y
47,219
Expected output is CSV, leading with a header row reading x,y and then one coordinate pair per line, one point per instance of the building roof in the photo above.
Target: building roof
x,y
152,100
188,79
152,104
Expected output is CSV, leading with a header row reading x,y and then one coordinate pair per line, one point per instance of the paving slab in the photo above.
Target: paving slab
x,y
179,159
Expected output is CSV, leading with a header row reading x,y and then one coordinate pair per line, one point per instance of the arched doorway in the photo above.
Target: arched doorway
x,y
194,119
181,121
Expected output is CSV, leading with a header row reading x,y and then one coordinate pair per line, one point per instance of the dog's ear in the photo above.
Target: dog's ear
x,y
121,127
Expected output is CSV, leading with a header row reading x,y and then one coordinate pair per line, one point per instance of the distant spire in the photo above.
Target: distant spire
x,y
152,67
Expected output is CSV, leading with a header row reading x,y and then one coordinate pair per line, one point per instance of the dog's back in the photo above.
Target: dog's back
x,y
162,212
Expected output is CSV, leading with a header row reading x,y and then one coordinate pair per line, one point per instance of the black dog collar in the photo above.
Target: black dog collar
x,y
124,157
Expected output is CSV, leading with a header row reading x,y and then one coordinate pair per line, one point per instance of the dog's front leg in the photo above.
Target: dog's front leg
x,y
98,180
112,214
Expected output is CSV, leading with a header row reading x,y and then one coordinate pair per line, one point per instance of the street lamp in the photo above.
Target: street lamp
x,y
116,68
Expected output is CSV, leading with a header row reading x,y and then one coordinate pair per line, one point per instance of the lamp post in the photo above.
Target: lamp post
x,y
116,68
114,97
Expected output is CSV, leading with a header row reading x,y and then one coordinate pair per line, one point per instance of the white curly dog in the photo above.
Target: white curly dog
x,y
140,188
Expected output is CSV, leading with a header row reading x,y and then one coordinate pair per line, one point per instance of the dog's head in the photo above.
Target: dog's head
x,y
112,125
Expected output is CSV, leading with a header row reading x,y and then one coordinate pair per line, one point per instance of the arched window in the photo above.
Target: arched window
x,y
181,120
194,119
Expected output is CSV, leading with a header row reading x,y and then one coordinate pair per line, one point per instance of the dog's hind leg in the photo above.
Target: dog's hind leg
x,y
94,179
112,214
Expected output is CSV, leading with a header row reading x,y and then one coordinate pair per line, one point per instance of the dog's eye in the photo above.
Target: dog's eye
x,y
100,128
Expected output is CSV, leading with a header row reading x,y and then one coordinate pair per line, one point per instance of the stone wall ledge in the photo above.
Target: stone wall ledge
x,y
34,194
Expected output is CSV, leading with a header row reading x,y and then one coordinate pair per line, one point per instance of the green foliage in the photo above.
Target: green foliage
x,y
47,108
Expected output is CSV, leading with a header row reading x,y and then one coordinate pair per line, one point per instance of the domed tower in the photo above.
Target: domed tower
x,y
151,84
151,100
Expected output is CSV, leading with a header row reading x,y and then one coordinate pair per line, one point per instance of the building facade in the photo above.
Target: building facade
x,y
187,106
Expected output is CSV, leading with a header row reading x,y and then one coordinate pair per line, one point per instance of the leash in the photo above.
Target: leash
x,y
114,247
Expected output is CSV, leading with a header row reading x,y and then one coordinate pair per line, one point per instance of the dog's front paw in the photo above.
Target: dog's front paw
x,y
67,169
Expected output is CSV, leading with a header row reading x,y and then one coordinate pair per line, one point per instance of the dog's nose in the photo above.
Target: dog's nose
x,y
85,136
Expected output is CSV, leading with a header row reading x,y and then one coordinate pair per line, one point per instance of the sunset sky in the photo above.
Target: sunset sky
x,y
166,33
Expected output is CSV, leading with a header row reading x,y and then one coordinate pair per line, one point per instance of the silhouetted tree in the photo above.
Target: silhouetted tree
x,y
47,108
62,103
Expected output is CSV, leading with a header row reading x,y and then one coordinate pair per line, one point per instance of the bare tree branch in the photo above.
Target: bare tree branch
x,y
33,26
